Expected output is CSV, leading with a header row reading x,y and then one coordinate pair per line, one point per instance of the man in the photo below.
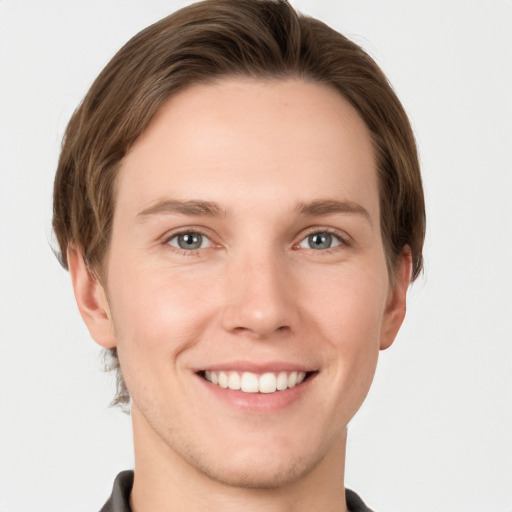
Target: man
x,y
239,203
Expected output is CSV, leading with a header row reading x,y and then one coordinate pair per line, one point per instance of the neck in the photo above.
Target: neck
x,y
165,481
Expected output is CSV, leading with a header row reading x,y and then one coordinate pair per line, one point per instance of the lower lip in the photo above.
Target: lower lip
x,y
259,402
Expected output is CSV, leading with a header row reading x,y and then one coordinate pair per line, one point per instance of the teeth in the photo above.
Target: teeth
x,y
282,381
268,383
234,380
223,380
249,382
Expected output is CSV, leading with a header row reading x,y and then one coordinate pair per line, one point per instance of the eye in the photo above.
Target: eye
x,y
190,241
320,240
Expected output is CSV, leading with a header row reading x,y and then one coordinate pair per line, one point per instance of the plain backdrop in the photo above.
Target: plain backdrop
x,y
435,434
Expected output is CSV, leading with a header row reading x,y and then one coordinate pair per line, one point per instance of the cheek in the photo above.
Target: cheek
x,y
348,311
159,311
348,304
157,318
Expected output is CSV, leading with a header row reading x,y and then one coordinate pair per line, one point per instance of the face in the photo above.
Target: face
x,y
247,290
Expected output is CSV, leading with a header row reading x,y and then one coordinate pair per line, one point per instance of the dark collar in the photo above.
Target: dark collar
x,y
119,500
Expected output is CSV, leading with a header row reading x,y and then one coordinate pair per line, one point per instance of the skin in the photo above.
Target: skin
x,y
272,156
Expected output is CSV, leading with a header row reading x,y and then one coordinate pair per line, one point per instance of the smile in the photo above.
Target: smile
x,y
248,382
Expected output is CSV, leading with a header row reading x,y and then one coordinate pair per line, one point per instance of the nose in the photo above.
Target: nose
x,y
259,296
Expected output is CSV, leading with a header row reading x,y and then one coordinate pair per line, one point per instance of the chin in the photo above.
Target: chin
x,y
257,464
259,474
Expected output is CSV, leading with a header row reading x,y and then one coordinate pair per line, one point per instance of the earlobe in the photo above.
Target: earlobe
x,y
396,304
91,300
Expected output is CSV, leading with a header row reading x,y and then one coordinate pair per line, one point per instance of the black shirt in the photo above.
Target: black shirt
x,y
119,501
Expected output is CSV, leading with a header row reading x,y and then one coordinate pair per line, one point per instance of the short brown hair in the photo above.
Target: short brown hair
x,y
203,42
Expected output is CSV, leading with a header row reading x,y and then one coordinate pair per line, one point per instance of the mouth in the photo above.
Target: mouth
x,y
249,382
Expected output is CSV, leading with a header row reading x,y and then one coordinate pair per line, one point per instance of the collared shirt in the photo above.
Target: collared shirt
x,y
119,501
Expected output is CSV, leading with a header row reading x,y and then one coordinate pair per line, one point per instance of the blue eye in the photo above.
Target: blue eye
x,y
320,240
190,241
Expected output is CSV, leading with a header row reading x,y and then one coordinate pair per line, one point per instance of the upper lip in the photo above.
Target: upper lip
x,y
258,367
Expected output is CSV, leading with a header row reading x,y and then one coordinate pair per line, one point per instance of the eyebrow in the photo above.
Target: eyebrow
x,y
332,206
190,207
210,209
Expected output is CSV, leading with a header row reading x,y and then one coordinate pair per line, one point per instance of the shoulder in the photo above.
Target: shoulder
x,y
119,500
355,503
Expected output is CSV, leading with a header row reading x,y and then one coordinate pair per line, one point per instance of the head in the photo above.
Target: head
x,y
226,44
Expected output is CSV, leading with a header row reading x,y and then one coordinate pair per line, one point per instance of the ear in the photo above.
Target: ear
x,y
91,300
396,303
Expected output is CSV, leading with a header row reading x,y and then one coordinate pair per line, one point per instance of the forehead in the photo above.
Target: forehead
x,y
270,140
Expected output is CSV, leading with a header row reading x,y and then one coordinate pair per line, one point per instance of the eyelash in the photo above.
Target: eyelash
x,y
189,231
343,239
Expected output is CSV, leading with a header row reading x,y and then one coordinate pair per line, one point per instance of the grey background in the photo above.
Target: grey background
x,y
436,431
